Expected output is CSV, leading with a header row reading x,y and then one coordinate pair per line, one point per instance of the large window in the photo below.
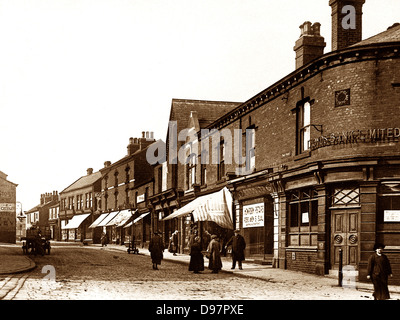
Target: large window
x,y
303,217
389,203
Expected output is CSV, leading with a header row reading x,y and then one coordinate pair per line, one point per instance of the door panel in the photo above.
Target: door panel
x,y
345,234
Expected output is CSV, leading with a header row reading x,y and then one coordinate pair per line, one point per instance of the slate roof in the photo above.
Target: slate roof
x,y
207,111
83,182
392,34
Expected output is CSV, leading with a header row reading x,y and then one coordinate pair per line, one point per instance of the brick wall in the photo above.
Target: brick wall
x,y
304,261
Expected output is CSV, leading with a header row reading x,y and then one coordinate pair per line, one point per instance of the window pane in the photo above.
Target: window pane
x,y
306,114
294,215
306,137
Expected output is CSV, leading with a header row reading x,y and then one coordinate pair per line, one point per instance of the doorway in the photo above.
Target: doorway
x,y
345,225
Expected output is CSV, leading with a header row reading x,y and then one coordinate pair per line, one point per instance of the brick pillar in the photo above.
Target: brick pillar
x,y
322,263
282,231
368,200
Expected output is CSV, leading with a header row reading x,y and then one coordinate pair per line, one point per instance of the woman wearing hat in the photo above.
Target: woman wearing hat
x,y
156,248
214,251
378,271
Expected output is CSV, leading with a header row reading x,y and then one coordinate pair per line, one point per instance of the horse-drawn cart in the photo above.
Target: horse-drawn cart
x,y
36,241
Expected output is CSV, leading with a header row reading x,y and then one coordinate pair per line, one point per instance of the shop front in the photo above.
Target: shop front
x,y
254,216
204,216
75,229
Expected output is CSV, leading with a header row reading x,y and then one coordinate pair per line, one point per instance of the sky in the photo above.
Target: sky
x,y
78,78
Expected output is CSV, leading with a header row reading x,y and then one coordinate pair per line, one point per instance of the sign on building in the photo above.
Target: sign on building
x,y
253,215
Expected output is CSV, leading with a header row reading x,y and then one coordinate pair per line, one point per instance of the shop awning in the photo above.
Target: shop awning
x,y
107,219
215,207
120,219
140,217
98,220
76,221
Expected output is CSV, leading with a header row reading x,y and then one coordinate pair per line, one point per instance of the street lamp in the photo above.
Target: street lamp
x,y
20,218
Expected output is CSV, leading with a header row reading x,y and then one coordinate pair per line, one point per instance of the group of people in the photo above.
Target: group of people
x,y
213,253
378,270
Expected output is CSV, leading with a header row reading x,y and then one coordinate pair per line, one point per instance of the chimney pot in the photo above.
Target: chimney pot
x,y
310,45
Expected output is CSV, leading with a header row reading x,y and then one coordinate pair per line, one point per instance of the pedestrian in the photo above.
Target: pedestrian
x,y
175,242
238,245
156,248
378,271
104,239
196,263
214,254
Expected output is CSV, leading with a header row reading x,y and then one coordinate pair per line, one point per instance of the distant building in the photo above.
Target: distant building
x,y
7,209
77,207
39,215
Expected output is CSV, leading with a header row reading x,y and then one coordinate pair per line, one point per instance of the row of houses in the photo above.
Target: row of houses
x,y
307,169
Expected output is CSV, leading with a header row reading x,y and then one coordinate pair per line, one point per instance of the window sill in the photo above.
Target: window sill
x,y
303,155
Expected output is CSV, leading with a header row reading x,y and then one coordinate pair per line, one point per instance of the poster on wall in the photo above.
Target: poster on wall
x,y
253,215
391,216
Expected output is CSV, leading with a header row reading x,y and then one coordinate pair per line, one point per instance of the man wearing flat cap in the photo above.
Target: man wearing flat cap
x,y
378,271
238,246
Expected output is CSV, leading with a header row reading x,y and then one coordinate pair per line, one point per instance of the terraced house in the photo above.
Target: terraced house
x,y
322,167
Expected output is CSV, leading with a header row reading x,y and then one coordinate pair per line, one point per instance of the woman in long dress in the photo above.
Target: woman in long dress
x,y
156,248
214,251
196,263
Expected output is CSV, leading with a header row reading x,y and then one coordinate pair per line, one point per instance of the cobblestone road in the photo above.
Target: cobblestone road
x,y
75,273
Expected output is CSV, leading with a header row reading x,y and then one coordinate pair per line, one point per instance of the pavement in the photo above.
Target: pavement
x,y
11,263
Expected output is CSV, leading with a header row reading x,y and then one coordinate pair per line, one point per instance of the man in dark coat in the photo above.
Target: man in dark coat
x,y
378,271
156,248
238,246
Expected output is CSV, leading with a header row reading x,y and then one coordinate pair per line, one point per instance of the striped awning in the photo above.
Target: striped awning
x,y
98,220
215,207
107,219
120,219
76,221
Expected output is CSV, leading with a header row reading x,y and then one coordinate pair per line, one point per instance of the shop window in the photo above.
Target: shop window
x,y
389,203
303,208
303,217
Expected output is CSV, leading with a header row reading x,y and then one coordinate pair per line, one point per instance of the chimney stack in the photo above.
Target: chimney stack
x,y
310,45
89,171
133,146
107,164
346,23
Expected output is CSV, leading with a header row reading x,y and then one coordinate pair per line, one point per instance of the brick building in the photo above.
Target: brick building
x,y
178,183
39,216
7,209
78,206
322,169
125,187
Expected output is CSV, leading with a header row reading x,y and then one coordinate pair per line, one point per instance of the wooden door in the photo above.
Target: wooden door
x,y
345,235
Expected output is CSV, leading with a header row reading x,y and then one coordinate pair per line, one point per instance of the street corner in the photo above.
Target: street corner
x,y
11,264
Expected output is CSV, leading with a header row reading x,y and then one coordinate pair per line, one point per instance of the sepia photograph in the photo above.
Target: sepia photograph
x,y
199,158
